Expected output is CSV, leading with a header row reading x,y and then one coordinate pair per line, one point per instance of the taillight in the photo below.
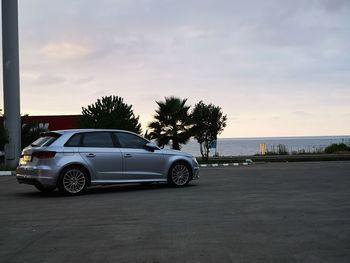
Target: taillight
x,y
44,154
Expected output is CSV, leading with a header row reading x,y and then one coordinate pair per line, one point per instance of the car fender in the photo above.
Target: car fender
x,y
79,163
173,159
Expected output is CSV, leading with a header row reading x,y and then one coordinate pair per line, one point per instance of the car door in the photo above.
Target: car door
x,y
138,162
104,159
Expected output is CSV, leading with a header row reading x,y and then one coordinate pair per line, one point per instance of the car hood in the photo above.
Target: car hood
x,y
175,152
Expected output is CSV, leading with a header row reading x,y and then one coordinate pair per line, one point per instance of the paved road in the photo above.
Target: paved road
x,y
283,212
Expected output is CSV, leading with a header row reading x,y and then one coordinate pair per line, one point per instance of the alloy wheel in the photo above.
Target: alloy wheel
x,y
74,181
180,174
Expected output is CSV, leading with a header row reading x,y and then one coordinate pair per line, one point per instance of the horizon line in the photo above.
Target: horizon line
x,y
233,137
287,136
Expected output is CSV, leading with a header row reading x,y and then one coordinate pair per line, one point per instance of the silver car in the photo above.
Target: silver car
x,y
72,160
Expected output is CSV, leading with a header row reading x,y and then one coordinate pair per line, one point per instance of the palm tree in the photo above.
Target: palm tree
x,y
172,122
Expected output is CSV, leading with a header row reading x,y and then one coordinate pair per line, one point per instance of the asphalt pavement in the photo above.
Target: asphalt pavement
x,y
278,212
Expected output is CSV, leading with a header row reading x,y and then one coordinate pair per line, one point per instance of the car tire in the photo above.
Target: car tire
x,y
44,189
179,174
73,180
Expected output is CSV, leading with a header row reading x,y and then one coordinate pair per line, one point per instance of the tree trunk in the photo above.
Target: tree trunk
x,y
206,148
201,149
176,145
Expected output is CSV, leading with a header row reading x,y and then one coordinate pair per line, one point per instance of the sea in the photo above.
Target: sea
x,y
251,146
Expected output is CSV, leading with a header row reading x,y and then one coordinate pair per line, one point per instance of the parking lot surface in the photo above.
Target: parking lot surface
x,y
281,212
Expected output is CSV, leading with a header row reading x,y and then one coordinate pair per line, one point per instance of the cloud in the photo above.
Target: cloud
x,y
335,5
270,58
64,50
48,79
84,80
301,113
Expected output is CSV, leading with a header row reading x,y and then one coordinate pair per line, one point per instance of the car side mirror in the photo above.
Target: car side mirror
x,y
151,147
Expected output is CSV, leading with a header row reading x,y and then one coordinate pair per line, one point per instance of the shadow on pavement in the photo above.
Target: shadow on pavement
x,y
107,189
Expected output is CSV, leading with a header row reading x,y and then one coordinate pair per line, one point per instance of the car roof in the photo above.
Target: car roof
x,y
88,130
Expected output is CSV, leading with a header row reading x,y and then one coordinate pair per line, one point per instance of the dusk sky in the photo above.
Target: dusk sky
x,y
277,68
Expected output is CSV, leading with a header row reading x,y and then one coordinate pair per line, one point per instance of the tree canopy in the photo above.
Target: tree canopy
x,y
208,121
30,131
172,122
110,112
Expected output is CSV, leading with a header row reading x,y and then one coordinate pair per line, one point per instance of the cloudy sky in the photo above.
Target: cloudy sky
x,y
276,67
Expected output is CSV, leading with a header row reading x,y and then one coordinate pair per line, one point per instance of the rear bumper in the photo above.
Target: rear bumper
x,y
42,175
26,180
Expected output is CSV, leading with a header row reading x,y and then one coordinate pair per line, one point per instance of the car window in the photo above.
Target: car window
x,y
128,140
74,141
97,139
45,139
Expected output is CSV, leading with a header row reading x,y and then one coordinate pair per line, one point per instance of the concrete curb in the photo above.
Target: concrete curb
x,y
225,164
7,173
283,158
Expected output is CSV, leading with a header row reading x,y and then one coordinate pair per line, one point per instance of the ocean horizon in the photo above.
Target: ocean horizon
x,y
251,145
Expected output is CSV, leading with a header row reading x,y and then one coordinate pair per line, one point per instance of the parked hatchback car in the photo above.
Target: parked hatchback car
x,y
72,160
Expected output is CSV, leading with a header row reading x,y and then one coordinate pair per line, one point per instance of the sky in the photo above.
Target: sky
x,y
275,67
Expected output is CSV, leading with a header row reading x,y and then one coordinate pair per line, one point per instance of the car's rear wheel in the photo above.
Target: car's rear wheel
x,y
44,189
179,174
73,180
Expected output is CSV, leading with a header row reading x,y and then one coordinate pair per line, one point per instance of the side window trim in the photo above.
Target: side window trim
x,y
80,140
83,137
130,134
116,140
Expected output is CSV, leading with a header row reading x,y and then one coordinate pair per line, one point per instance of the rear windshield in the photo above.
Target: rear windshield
x,y
45,139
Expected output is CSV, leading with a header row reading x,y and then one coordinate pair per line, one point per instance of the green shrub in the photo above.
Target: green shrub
x,y
336,148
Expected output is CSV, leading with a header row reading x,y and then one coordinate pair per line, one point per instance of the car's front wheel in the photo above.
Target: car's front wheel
x,y
73,180
179,174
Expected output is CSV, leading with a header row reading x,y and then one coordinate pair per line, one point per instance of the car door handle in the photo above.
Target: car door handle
x,y
128,155
90,155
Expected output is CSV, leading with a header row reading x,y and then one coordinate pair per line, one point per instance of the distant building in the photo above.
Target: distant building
x,y
53,122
